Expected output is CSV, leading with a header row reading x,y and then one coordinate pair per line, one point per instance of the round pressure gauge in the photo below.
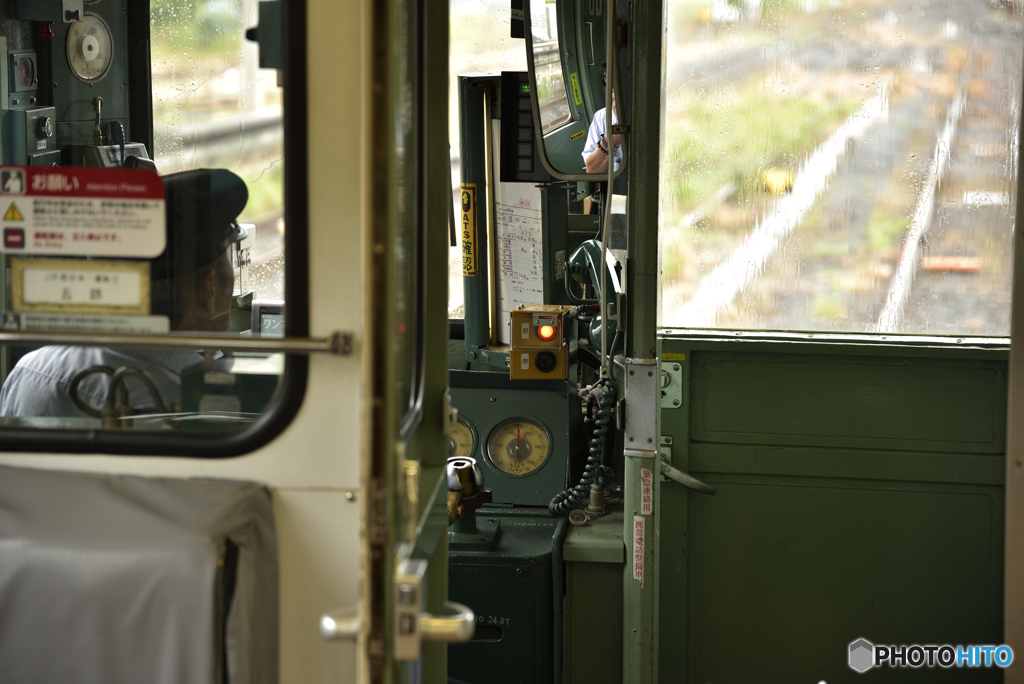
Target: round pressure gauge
x,y
462,440
518,446
90,48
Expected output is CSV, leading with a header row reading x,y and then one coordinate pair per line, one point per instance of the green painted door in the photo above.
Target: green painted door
x,y
860,495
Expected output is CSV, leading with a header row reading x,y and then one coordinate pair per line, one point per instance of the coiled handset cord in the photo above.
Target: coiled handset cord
x,y
566,501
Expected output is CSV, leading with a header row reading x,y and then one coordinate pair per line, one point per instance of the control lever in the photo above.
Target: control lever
x,y
465,492
687,480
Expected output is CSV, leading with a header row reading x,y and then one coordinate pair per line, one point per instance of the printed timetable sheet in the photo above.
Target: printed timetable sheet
x,y
519,250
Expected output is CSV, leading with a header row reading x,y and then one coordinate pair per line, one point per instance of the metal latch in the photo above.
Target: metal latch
x,y
413,627
671,383
641,408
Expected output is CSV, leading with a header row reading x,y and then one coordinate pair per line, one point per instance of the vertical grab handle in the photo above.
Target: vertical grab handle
x,y
590,26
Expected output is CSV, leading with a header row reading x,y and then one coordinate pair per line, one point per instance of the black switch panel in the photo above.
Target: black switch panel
x,y
520,160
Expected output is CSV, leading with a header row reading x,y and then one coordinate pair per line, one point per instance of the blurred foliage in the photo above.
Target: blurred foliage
x,y
726,136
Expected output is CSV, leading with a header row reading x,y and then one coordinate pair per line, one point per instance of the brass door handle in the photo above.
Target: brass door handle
x,y
457,627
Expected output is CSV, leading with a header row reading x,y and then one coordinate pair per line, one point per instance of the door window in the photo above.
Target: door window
x,y
154,173
845,166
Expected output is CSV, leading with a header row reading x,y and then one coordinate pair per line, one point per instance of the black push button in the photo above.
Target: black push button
x,y
545,362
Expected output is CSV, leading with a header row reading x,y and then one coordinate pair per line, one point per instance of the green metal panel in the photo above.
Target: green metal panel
x,y
592,622
831,401
553,404
599,541
860,495
789,571
511,587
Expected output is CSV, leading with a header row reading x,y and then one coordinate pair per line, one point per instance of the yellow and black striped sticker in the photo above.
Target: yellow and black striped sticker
x,y
578,134
576,94
468,203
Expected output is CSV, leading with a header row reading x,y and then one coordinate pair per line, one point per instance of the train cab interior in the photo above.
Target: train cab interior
x,y
510,341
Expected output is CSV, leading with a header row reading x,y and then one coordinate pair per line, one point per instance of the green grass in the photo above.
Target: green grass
x,y
206,28
725,136
266,191
884,230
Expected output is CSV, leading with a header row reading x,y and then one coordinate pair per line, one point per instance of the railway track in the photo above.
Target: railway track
x,y
935,164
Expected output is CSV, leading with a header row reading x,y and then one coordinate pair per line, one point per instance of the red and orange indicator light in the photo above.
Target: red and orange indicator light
x,y
547,332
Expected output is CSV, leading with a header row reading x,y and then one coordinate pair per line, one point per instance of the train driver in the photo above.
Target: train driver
x,y
597,150
191,283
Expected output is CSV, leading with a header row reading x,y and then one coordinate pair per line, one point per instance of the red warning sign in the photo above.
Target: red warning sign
x,y
78,211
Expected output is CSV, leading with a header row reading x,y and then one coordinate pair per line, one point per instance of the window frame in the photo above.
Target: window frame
x,y
292,386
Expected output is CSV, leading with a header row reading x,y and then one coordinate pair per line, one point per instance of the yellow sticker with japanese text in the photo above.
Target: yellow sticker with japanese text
x,y
577,95
468,203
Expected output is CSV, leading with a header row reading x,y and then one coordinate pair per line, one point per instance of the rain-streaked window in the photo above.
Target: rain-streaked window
x,y
213,107
148,193
840,165
480,44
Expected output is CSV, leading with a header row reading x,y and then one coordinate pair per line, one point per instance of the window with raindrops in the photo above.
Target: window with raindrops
x,y
841,165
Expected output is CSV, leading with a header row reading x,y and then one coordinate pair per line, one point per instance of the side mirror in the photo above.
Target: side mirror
x,y
562,120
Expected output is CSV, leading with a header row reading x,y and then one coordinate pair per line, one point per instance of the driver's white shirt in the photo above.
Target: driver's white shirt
x,y
40,383
597,129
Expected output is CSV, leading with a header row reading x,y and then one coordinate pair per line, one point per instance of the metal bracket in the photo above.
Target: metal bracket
x,y
407,600
641,432
671,382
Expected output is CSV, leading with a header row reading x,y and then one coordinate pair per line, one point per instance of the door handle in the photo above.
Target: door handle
x,y
339,626
457,627
687,480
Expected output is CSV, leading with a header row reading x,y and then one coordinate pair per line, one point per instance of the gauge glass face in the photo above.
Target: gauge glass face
x,y
90,48
461,441
518,446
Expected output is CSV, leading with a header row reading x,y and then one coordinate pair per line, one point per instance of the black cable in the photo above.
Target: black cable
x,y
566,501
76,381
118,379
588,357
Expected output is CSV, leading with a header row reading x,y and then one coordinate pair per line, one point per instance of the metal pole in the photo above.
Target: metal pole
x,y
473,213
642,487
337,343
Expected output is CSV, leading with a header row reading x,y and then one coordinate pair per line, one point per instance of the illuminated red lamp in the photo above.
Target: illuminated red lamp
x,y
547,332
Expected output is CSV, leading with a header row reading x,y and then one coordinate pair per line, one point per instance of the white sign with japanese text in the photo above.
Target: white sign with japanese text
x,y
638,548
72,287
113,286
646,492
95,323
79,211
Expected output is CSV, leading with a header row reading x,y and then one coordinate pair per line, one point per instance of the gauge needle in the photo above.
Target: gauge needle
x,y
519,439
